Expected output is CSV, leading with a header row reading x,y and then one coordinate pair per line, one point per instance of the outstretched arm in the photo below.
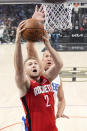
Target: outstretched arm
x,y
61,102
31,52
54,70
18,61
39,14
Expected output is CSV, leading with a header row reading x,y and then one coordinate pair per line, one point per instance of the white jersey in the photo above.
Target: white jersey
x,y
55,84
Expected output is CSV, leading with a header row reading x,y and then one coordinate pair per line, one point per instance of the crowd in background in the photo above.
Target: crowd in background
x,y
10,17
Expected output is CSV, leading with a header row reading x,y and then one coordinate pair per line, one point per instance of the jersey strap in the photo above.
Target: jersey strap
x,y
27,110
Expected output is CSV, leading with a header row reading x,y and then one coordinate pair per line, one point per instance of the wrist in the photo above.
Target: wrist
x,y
30,43
17,41
59,115
47,44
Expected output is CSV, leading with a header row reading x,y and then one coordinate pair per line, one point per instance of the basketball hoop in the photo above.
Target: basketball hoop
x,y
57,16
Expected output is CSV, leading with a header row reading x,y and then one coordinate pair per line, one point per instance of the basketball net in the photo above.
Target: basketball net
x,y
57,16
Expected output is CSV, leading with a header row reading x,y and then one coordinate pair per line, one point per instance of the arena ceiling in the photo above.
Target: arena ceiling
x,y
37,1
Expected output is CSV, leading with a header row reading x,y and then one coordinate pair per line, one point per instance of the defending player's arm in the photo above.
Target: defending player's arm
x,y
31,52
61,101
54,70
18,61
39,14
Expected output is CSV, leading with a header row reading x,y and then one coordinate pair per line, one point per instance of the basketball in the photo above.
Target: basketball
x,y
34,30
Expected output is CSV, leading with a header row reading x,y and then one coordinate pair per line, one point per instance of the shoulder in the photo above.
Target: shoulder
x,y
25,88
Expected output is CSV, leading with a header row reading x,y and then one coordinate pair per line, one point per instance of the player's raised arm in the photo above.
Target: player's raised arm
x,y
39,14
18,59
31,52
54,70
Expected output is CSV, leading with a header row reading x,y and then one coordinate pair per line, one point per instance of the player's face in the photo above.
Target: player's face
x,y
32,68
47,60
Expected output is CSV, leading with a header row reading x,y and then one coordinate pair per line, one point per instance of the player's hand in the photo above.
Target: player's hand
x,y
63,116
19,30
39,14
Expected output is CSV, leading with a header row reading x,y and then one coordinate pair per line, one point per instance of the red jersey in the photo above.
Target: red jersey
x,y
38,105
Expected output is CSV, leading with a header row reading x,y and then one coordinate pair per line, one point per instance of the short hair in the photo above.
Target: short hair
x,y
29,59
45,51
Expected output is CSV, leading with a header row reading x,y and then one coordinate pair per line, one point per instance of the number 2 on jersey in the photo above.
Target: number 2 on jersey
x,y
46,97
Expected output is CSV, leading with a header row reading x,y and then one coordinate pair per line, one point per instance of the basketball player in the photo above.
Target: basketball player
x,y
34,86
47,61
